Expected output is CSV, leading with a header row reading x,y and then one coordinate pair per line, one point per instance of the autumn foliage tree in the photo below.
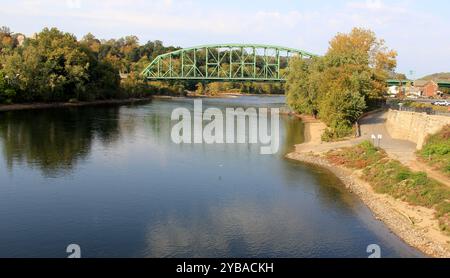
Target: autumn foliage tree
x,y
339,86
54,66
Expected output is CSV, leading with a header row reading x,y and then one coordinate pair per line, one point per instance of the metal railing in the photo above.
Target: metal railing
x,y
427,110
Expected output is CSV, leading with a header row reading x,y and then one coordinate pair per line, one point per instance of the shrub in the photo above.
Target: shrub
x,y
337,133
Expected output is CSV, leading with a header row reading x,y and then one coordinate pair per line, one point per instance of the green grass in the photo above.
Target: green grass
x,y
388,176
357,157
436,151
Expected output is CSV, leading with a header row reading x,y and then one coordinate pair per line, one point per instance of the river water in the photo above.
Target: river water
x,y
110,180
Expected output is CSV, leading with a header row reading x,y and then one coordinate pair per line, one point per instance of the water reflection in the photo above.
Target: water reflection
x,y
213,233
55,140
121,188
293,133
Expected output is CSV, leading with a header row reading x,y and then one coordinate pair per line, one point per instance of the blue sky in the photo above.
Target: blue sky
x,y
419,30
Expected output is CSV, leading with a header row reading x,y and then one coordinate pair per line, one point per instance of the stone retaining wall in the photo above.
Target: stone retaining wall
x,y
414,127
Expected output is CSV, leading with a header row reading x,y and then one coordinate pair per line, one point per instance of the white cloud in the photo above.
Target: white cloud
x,y
186,22
374,5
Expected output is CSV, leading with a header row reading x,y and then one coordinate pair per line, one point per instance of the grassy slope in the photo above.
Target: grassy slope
x,y
436,151
388,176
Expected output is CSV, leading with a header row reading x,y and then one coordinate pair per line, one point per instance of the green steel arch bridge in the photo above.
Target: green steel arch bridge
x,y
225,62
395,82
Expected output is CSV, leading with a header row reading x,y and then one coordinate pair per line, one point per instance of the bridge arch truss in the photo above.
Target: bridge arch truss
x,y
225,62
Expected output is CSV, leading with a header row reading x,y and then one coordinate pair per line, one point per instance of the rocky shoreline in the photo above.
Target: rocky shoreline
x,y
415,225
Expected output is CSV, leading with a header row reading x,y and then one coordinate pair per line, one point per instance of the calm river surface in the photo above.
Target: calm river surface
x,y
111,180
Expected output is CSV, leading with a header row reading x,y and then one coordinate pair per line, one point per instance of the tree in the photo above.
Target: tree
x,y
339,86
56,67
362,53
51,66
130,49
200,88
214,88
7,93
302,95
92,42
7,40
340,110
5,31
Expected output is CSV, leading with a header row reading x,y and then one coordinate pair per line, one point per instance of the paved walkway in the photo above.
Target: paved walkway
x,y
375,124
401,150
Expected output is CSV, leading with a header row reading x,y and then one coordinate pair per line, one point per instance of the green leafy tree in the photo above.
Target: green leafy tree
x,y
339,86
200,88
362,55
301,90
7,93
51,67
340,110
54,66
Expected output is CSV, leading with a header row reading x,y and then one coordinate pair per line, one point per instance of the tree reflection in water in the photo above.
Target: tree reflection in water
x,y
55,140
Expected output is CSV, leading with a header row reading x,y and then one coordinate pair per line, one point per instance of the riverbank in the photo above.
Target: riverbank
x,y
33,106
416,225
91,152
228,95
39,105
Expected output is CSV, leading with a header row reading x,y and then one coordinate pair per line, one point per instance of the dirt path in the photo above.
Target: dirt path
x,y
401,150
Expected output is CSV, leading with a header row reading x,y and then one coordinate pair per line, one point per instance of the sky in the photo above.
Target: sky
x,y
418,30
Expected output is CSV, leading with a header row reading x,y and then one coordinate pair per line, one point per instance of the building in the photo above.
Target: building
x,y
428,88
393,91
20,39
414,91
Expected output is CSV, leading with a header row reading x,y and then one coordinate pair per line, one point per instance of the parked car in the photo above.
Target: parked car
x,y
441,103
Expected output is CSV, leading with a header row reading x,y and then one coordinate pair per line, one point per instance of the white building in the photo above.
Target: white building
x,y
393,91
